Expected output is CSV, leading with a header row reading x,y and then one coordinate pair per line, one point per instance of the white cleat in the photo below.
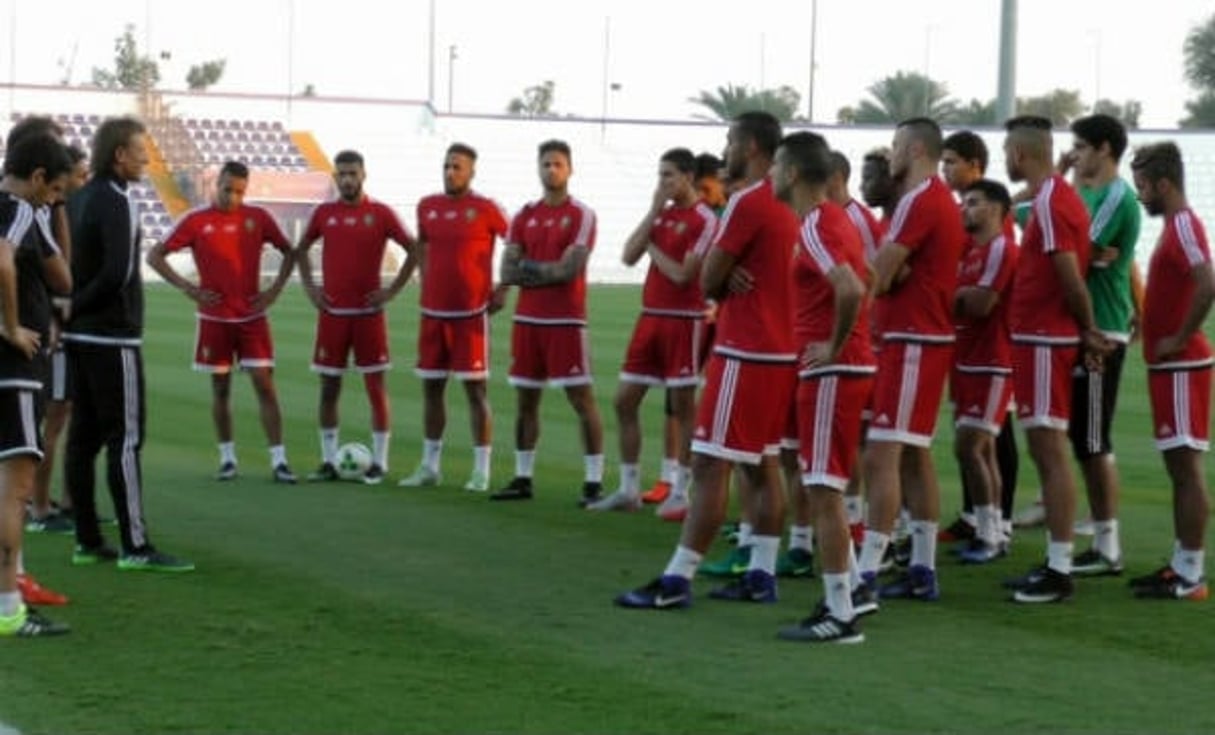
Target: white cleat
x,y
422,477
621,500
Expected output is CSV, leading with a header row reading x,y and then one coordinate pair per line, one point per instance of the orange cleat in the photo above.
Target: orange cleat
x,y
857,532
33,593
656,494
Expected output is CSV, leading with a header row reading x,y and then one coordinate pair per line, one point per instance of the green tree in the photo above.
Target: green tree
x,y
975,113
205,74
1201,111
906,94
1200,55
536,101
131,70
1060,106
728,102
1128,112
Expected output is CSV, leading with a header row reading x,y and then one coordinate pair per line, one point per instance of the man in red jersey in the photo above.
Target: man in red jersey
x,y
835,370
665,347
226,240
350,303
457,230
916,271
1050,318
1180,290
549,243
981,381
751,371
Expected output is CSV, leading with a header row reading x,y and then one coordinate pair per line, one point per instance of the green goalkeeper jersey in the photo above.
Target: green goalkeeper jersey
x,y
1114,215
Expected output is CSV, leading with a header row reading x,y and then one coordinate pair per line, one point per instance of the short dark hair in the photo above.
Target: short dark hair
x,y
993,191
75,154
682,159
32,125
840,165
1098,129
809,154
927,131
707,164
969,146
235,169
348,156
762,128
32,152
462,149
555,146
1159,161
112,134
1033,122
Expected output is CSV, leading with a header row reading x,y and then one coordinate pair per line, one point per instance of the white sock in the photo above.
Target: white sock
x,y
594,467
432,452
839,596
683,481
278,455
763,553
10,603
481,457
872,551
1059,556
1188,563
854,567
744,534
524,463
987,523
923,543
379,448
969,518
227,452
20,561
801,537
630,478
329,445
670,466
1106,540
854,505
683,563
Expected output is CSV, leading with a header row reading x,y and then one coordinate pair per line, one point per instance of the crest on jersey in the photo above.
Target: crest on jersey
x,y
470,214
565,222
680,227
250,225
369,219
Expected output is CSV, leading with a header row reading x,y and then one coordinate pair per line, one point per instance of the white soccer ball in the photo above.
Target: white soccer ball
x,y
353,459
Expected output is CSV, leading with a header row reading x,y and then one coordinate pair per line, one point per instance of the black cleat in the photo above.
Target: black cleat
x,y
519,488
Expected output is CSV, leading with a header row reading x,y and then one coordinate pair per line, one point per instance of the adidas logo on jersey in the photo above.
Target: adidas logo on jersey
x,y
882,419
432,214
1165,430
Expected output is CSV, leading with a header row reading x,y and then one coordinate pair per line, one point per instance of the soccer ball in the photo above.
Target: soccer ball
x,y
353,459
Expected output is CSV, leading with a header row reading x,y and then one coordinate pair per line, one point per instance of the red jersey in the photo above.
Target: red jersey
x,y
544,232
459,233
828,240
871,230
355,236
1170,291
227,250
1058,223
678,231
984,344
761,234
926,222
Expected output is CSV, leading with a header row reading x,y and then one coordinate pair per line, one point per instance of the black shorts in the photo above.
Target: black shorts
x,y
1094,396
20,422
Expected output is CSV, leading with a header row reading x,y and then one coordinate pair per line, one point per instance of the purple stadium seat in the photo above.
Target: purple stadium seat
x,y
221,125
276,125
206,125
242,136
258,161
228,135
94,119
249,125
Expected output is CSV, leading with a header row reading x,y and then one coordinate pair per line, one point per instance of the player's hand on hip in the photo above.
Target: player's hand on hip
x,y
741,281
25,340
380,296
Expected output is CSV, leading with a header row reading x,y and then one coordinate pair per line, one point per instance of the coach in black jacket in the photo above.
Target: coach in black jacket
x,y
103,337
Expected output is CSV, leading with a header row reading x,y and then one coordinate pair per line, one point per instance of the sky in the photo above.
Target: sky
x,y
625,58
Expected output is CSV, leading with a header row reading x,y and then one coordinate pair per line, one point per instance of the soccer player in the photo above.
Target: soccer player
x,y
1180,290
836,367
350,305
916,272
456,234
1051,319
963,162
1098,144
549,243
35,174
981,381
104,337
665,346
752,370
226,240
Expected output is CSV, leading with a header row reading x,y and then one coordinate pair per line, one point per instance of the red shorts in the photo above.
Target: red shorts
x,y
1042,381
829,426
706,343
1181,408
907,393
217,343
742,411
541,355
337,336
980,400
664,350
457,347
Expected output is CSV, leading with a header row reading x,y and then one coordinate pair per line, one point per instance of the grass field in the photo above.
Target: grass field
x,y
348,609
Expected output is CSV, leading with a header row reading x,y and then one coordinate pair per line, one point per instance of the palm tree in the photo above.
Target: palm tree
x,y
906,94
728,102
